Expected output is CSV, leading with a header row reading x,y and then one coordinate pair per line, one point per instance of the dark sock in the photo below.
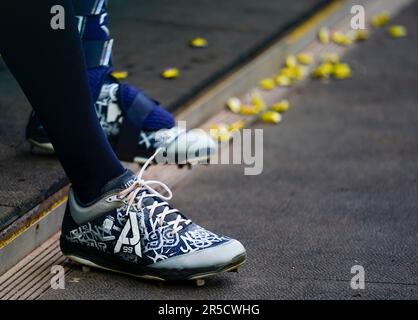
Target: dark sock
x,y
49,66
95,27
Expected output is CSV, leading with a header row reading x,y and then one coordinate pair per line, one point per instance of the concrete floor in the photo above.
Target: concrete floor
x,y
339,188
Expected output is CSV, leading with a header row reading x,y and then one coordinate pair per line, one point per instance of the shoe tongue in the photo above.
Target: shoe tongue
x,y
122,182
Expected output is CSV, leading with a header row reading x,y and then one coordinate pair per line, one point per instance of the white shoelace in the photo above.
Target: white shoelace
x,y
131,195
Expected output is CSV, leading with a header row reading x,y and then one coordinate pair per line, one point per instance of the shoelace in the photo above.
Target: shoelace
x,y
131,194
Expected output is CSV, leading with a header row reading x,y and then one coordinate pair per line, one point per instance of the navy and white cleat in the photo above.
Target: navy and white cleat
x,y
131,229
135,124
130,143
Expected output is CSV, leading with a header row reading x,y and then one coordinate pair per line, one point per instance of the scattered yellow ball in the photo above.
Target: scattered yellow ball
x,y
341,39
324,35
234,104
288,72
323,71
299,72
271,117
281,106
283,81
120,75
332,58
397,31
361,35
257,101
380,20
291,61
249,110
170,73
267,84
305,58
236,126
220,132
341,71
198,42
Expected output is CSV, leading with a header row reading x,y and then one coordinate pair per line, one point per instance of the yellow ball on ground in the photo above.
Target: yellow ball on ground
x,y
170,73
249,110
324,35
305,58
332,58
120,75
257,101
198,42
380,20
341,39
234,104
323,71
397,31
267,84
291,61
235,126
271,117
281,106
361,35
220,132
283,81
341,71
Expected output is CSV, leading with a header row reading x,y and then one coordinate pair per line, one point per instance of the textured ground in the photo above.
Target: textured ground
x,y
339,188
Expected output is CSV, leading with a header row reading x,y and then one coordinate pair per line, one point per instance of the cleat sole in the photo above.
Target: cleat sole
x,y
197,278
41,148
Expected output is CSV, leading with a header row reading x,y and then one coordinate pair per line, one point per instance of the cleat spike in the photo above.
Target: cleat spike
x,y
200,282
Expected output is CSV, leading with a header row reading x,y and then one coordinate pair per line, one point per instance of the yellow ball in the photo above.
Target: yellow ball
x,y
291,61
234,104
342,71
220,132
120,75
271,117
397,31
305,58
170,73
257,101
283,81
281,106
238,125
267,84
361,35
332,58
324,35
341,39
198,42
380,20
249,110
323,71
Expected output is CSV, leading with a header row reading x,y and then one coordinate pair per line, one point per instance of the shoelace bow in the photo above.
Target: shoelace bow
x,y
131,194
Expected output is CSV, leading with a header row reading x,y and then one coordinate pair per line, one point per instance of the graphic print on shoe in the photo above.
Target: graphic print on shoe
x,y
133,229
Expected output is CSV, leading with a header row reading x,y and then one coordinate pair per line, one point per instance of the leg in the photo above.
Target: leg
x,y
47,63
139,232
130,119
